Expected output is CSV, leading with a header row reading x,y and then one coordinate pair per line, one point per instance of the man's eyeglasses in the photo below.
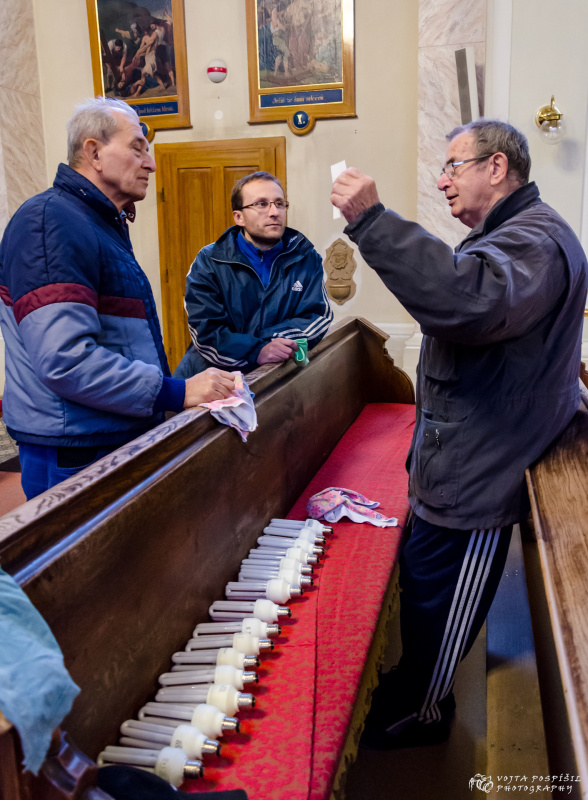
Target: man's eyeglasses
x,y
264,205
449,169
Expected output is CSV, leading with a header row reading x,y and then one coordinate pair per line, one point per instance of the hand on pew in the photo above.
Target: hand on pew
x,y
277,350
212,384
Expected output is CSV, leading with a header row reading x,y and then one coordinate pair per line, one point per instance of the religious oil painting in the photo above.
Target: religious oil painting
x,y
299,42
139,56
301,60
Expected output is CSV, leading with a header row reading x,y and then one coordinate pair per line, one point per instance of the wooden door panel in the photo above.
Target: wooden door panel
x,y
231,176
194,183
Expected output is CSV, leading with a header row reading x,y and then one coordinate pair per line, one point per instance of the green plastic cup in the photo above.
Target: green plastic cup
x,y
301,355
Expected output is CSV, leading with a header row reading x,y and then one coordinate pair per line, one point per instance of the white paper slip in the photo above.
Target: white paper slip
x,y
336,170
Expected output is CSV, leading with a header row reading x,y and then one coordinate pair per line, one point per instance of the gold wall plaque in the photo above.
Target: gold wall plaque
x,y
340,265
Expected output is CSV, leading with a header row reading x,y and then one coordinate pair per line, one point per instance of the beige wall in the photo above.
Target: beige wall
x,y
380,141
550,56
22,150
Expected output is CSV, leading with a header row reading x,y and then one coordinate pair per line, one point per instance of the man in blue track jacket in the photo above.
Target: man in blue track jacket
x,y
86,370
255,290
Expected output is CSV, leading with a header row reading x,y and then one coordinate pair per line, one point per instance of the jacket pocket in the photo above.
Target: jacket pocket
x,y
436,461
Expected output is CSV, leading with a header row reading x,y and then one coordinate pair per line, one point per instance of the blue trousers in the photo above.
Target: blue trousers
x,y
448,579
43,467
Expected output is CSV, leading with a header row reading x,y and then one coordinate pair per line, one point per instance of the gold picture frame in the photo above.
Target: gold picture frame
x,y
140,57
301,61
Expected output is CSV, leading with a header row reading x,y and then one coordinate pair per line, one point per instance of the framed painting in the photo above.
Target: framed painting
x,y
301,61
139,55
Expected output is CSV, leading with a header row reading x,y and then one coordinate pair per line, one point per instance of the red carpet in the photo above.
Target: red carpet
x,y
291,743
11,493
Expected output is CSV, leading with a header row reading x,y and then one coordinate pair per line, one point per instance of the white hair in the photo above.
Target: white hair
x,y
94,119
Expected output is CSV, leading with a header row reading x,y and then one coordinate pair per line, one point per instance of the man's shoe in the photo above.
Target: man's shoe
x,y
411,734
390,725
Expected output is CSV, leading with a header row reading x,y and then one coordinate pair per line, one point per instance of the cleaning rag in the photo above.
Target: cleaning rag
x,y
335,502
236,410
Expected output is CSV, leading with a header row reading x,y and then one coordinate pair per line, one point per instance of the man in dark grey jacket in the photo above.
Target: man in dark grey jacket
x,y
497,383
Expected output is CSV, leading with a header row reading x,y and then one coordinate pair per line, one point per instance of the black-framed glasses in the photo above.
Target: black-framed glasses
x,y
264,205
449,169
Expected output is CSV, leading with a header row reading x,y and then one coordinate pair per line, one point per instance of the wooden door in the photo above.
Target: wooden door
x,y
194,182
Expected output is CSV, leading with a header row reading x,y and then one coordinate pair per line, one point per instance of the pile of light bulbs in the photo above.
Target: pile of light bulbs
x,y
202,693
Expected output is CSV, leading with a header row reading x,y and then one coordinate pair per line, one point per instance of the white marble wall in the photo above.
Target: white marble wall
x,y
444,27
22,148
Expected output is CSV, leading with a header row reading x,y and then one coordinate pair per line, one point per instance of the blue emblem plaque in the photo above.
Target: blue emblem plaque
x,y
300,120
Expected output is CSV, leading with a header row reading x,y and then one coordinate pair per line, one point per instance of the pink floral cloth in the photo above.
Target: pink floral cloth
x,y
335,502
236,410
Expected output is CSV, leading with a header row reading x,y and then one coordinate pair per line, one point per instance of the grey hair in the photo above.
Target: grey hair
x,y
495,136
93,119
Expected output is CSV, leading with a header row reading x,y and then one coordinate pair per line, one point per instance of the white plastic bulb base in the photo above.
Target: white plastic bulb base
x,y
228,699
175,767
209,719
256,627
194,743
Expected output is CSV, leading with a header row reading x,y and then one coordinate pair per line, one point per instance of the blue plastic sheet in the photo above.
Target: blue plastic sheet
x,y
36,691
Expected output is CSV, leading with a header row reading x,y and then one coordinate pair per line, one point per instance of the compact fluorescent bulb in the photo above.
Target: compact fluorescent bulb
x,y
170,763
262,608
207,718
224,655
226,698
155,736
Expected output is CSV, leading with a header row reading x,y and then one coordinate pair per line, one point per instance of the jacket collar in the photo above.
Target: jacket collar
x,y
253,253
225,248
68,180
503,210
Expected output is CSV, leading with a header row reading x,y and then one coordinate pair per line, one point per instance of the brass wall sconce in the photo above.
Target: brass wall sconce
x,y
550,124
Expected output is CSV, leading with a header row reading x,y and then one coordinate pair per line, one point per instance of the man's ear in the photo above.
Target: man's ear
x,y
238,217
498,168
91,149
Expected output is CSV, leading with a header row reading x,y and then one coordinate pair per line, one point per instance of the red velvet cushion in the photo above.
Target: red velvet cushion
x,y
291,743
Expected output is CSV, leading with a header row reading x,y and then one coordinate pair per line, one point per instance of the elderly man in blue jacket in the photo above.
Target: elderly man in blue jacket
x,y
257,289
497,382
86,370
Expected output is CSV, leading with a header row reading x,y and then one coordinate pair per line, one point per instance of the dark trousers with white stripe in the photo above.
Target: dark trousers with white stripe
x,y
448,580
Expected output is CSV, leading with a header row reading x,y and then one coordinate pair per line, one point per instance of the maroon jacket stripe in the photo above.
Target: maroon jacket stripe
x,y
5,296
74,293
53,293
122,307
